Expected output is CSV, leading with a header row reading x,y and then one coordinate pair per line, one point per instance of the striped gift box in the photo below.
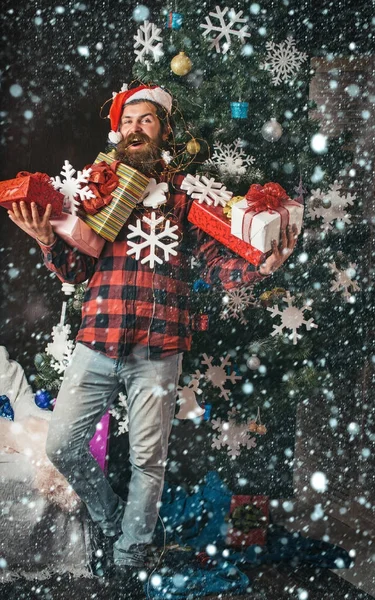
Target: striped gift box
x,y
110,219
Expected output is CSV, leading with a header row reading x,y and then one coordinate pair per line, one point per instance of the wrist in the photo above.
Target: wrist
x,y
47,240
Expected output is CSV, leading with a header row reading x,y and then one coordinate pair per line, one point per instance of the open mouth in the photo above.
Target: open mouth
x,y
136,142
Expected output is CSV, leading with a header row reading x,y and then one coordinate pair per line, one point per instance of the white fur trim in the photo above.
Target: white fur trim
x,y
157,95
115,137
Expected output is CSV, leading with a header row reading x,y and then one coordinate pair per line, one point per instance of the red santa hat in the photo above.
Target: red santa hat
x,y
142,92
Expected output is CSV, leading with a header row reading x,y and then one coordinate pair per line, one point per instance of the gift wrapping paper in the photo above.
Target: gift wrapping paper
x,y
31,188
78,234
259,229
212,220
109,220
237,538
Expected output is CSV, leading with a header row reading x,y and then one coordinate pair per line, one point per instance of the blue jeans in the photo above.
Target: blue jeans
x,y
91,383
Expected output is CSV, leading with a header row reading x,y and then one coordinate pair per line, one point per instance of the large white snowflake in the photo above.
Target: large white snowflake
x,y
236,301
218,375
283,60
61,348
337,202
120,412
225,30
230,159
153,239
344,280
148,37
232,434
291,318
206,190
189,407
74,188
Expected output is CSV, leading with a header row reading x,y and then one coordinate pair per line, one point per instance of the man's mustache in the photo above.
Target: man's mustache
x,y
135,137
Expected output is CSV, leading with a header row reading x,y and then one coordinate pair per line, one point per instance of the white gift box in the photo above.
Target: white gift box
x,y
259,229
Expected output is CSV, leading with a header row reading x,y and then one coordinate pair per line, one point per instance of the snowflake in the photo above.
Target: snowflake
x,y
207,190
344,280
189,407
61,348
147,36
225,29
120,413
283,60
153,240
232,434
155,194
236,301
336,211
292,318
217,374
72,187
230,159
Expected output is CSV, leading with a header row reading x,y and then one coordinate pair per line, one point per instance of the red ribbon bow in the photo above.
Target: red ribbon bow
x,y
102,182
270,196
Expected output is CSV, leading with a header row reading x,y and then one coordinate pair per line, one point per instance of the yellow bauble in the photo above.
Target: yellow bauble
x,y
181,64
193,146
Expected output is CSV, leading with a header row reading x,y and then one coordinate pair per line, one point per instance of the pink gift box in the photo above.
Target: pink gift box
x,y
78,235
99,442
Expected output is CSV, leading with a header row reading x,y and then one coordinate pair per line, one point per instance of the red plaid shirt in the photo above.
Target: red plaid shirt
x,y
127,304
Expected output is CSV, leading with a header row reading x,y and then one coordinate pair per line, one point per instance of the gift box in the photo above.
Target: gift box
x,y
31,187
109,220
212,220
100,441
258,227
78,234
248,521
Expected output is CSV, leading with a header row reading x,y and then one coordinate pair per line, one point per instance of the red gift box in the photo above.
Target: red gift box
x,y
32,187
252,514
213,221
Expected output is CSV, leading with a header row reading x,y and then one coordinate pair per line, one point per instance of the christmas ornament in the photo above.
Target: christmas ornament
x,y
271,131
61,348
283,60
155,194
230,159
200,322
193,146
227,210
43,399
188,405
337,209
75,189
253,426
344,280
206,190
149,42
257,426
6,410
181,64
239,110
291,318
232,434
268,297
262,429
174,20
152,239
236,301
225,30
218,375
253,362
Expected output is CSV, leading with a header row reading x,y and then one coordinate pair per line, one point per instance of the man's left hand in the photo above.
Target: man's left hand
x,y
280,252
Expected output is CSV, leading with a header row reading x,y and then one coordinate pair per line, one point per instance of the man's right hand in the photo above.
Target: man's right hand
x,y
32,223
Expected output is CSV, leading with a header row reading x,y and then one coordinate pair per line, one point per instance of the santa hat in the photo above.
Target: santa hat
x,y
142,92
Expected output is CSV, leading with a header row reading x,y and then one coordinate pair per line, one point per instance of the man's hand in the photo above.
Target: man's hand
x,y
33,224
280,252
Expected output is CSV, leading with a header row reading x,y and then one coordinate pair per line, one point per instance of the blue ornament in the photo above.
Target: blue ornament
x,y
6,409
141,13
174,20
200,285
239,110
207,412
43,399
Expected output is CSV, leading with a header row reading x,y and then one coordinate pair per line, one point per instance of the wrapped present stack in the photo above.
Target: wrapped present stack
x,y
248,521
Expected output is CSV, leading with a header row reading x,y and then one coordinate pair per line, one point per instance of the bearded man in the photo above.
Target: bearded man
x,y
134,330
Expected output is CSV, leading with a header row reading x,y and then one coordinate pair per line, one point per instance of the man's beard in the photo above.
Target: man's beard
x,y
145,158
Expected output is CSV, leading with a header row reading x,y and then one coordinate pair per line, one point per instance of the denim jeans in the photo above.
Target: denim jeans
x,y
91,382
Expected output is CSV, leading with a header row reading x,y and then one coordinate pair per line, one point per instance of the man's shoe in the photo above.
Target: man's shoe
x,y
101,552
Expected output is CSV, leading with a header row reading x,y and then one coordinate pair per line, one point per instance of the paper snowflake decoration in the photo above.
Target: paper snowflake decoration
x,y
236,301
206,190
225,30
153,239
120,412
61,348
124,88
148,38
291,318
155,194
344,280
283,60
187,395
337,202
230,159
75,189
218,374
232,435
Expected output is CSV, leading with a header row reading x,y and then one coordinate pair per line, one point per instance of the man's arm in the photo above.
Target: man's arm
x,y
69,265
